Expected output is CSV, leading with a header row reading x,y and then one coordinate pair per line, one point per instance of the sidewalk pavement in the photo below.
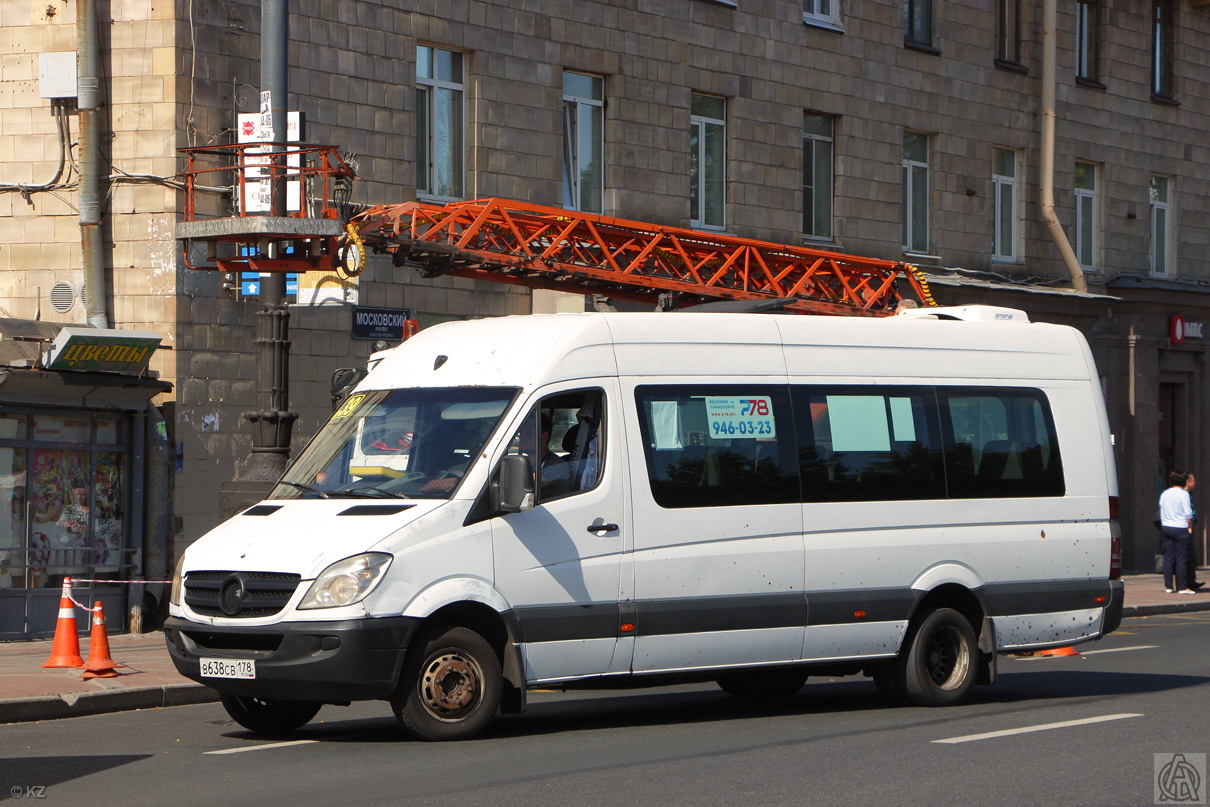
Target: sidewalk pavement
x,y
148,680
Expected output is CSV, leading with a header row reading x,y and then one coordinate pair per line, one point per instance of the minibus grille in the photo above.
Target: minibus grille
x,y
241,595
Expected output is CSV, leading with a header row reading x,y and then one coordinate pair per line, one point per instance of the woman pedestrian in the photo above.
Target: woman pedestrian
x,y
1176,530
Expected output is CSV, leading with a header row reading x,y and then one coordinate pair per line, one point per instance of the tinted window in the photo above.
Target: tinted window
x,y
868,444
715,445
999,443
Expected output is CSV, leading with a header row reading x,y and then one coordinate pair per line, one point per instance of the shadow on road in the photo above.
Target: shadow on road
x,y
558,712
22,776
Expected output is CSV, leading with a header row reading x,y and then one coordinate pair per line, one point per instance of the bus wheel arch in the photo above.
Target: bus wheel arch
x,y
947,649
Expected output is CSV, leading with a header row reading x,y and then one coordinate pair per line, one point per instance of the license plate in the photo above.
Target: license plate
x,y
227,668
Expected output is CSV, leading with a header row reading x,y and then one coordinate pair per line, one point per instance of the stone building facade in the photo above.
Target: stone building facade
x,y
846,124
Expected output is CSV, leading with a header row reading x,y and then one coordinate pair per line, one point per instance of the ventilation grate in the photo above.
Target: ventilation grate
x,y
375,509
62,297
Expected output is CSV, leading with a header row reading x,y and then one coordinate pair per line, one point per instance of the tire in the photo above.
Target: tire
x,y
450,687
269,716
938,663
767,685
890,685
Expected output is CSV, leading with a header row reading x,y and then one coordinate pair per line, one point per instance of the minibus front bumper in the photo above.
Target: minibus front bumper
x,y
330,662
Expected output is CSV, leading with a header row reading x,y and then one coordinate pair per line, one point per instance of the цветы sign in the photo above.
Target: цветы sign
x,y
101,349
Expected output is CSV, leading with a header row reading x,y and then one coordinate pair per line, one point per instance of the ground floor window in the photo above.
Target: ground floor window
x,y
63,498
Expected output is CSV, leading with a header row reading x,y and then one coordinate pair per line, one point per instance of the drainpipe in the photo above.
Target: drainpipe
x,y
88,100
1049,26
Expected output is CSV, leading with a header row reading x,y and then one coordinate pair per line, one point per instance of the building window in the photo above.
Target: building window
x,y
916,212
1088,39
1008,31
1086,214
825,12
1004,183
918,22
583,142
707,162
1162,33
1161,224
440,123
818,180
63,499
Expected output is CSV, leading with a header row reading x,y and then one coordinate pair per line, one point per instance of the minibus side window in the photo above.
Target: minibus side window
x,y
868,443
718,445
1000,443
566,433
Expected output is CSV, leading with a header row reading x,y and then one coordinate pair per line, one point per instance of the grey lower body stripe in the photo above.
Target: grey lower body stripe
x,y
662,617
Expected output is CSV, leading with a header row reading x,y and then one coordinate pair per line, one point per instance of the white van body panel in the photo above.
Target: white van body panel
x,y
455,590
298,540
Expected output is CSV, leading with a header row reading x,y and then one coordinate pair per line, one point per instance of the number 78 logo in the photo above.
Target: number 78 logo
x,y
755,406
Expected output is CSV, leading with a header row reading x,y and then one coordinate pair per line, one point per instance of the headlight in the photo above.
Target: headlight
x,y
174,595
346,581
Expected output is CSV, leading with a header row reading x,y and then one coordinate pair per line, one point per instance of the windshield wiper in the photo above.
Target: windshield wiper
x,y
369,492
307,488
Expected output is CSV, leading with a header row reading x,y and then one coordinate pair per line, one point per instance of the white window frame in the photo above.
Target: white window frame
x,y
698,125
913,171
813,141
1004,185
578,114
431,174
1087,244
822,13
1160,244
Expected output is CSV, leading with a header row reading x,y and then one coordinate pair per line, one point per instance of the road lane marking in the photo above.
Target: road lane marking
x,y
1027,729
244,748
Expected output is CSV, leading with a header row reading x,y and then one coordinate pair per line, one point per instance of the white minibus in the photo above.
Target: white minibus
x,y
588,499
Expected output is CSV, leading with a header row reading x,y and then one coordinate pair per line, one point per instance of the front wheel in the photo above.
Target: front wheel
x,y
269,716
939,662
451,685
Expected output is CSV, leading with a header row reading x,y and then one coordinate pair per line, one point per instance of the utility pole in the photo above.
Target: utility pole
x,y
273,422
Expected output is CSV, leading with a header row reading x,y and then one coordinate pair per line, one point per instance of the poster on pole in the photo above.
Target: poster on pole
x,y
251,127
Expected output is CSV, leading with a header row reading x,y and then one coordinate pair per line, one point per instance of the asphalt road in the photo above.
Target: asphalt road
x,y
1143,691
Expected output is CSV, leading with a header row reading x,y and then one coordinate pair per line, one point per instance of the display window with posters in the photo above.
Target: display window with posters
x,y
62,498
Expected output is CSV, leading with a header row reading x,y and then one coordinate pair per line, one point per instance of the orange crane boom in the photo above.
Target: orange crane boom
x,y
552,248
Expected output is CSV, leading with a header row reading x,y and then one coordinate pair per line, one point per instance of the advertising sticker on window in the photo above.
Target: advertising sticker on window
x,y
740,416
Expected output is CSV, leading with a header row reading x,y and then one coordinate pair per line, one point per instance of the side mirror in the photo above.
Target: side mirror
x,y
515,484
343,381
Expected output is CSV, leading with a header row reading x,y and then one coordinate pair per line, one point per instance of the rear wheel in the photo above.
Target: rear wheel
x,y
938,663
269,716
450,687
773,684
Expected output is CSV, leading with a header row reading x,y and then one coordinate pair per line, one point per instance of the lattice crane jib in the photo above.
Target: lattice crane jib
x,y
552,248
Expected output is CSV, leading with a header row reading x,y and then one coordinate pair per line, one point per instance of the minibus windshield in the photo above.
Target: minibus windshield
x,y
406,443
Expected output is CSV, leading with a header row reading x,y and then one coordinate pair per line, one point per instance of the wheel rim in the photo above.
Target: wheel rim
x,y
450,686
948,658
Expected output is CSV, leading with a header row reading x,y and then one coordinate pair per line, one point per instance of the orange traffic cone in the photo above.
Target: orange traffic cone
x,y
1060,651
99,665
65,651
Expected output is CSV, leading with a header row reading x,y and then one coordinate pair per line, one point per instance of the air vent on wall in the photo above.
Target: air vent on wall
x,y
62,297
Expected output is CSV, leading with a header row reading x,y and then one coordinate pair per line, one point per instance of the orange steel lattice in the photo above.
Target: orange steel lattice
x,y
553,248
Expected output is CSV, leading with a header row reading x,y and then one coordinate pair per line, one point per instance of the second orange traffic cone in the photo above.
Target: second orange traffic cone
x,y
1060,651
65,651
99,665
